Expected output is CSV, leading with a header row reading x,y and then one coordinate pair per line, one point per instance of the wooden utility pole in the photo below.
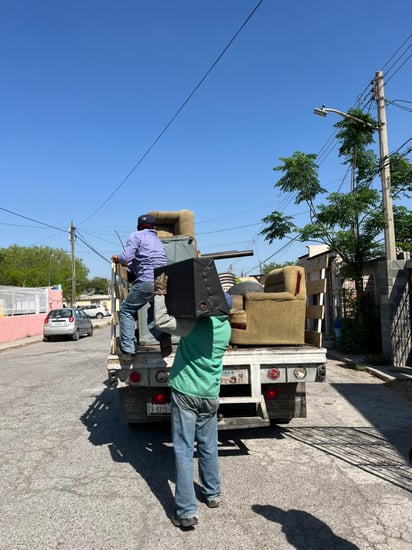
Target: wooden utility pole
x,y
72,237
390,247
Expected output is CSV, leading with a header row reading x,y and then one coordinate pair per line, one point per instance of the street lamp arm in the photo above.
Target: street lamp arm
x,y
323,111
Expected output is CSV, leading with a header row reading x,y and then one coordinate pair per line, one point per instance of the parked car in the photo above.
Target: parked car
x,y
69,321
95,311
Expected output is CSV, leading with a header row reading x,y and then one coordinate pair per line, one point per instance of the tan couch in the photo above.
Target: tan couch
x,y
169,224
274,316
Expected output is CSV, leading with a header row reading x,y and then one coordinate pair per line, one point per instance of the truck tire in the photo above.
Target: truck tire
x,y
76,335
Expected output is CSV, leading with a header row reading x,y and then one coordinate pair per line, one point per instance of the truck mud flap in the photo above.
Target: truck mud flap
x,y
290,403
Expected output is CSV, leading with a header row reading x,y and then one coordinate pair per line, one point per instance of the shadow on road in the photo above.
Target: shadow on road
x,y
377,449
364,448
302,530
148,448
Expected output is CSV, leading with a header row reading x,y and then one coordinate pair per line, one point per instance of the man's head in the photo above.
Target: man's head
x,y
146,221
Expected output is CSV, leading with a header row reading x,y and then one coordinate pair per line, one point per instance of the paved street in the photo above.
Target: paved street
x,y
71,476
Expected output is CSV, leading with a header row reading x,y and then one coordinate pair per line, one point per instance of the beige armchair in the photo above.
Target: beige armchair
x,y
274,316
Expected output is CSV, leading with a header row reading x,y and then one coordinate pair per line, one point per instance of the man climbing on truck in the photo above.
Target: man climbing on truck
x,y
143,252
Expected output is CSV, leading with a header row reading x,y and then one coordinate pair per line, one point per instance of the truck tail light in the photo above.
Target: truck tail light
x,y
274,373
271,393
159,398
135,377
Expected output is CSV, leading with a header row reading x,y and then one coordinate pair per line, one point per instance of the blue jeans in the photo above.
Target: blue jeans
x,y
194,418
139,294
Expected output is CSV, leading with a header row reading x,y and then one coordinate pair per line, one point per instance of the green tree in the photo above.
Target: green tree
x,y
351,224
40,266
403,227
97,285
267,268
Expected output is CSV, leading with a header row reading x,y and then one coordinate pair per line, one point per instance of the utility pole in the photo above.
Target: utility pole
x,y
384,168
72,237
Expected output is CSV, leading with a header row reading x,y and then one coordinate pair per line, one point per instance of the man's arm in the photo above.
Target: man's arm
x,y
169,323
129,252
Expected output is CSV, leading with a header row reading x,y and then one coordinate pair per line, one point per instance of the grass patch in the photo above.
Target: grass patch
x,y
402,387
356,366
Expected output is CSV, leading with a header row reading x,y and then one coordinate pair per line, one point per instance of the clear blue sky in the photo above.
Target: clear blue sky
x,y
88,86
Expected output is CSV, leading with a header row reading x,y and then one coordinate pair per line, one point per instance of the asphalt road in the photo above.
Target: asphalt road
x,y
72,477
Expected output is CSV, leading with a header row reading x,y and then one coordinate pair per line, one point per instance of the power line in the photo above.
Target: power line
x,y
177,113
33,220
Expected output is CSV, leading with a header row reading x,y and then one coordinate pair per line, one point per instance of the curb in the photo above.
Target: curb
x,y
374,371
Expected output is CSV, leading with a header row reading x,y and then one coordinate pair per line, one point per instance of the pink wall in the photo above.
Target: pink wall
x,y
19,326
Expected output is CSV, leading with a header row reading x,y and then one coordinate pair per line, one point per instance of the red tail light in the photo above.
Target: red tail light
x,y
135,377
274,373
46,320
71,319
271,393
159,398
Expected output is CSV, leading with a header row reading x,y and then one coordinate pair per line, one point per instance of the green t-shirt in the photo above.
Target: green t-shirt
x,y
197,367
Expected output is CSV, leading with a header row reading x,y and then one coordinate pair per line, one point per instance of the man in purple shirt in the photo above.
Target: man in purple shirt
x,y
143,252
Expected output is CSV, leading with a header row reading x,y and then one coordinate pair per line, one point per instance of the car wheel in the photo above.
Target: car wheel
x,y
45,338
99,316
76,335
90,333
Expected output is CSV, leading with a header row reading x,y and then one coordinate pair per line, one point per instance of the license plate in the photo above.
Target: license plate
x,y
154,408
235,376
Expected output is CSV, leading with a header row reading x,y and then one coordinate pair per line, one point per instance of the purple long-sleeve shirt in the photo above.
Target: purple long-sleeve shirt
x,y
143,252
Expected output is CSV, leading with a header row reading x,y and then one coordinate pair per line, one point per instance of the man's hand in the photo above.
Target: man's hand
x,y
160,285
115,259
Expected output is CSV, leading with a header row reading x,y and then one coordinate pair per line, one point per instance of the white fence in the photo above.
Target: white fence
x,y
16,300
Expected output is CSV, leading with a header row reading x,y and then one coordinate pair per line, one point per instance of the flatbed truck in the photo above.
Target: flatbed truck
x,y
260,386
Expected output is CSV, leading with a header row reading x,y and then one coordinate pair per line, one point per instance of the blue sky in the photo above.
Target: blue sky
x,y
88,86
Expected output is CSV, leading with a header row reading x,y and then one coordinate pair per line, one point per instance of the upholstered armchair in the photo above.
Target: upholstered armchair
x,y
274,316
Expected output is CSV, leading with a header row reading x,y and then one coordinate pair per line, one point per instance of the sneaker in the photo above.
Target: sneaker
x,y
212,502
166,347
184,523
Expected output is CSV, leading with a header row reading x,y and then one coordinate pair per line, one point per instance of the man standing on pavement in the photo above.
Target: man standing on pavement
x,y
143,252
195,384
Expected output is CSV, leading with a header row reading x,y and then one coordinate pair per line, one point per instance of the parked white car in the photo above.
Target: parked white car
x,y
95,311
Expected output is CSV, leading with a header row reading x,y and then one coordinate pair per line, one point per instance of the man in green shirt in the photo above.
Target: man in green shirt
x,y
195,383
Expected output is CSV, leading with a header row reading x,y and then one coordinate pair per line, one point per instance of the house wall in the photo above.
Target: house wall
x,y
395,310
14,327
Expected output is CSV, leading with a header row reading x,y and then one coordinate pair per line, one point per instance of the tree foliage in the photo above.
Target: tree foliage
x,y
38,266
351,223
267,268
97,285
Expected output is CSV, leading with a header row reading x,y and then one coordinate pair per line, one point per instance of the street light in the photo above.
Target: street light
x,y
323,111
389,233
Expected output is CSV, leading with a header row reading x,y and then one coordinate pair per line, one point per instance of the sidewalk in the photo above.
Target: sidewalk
x,y
21,342
388,373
